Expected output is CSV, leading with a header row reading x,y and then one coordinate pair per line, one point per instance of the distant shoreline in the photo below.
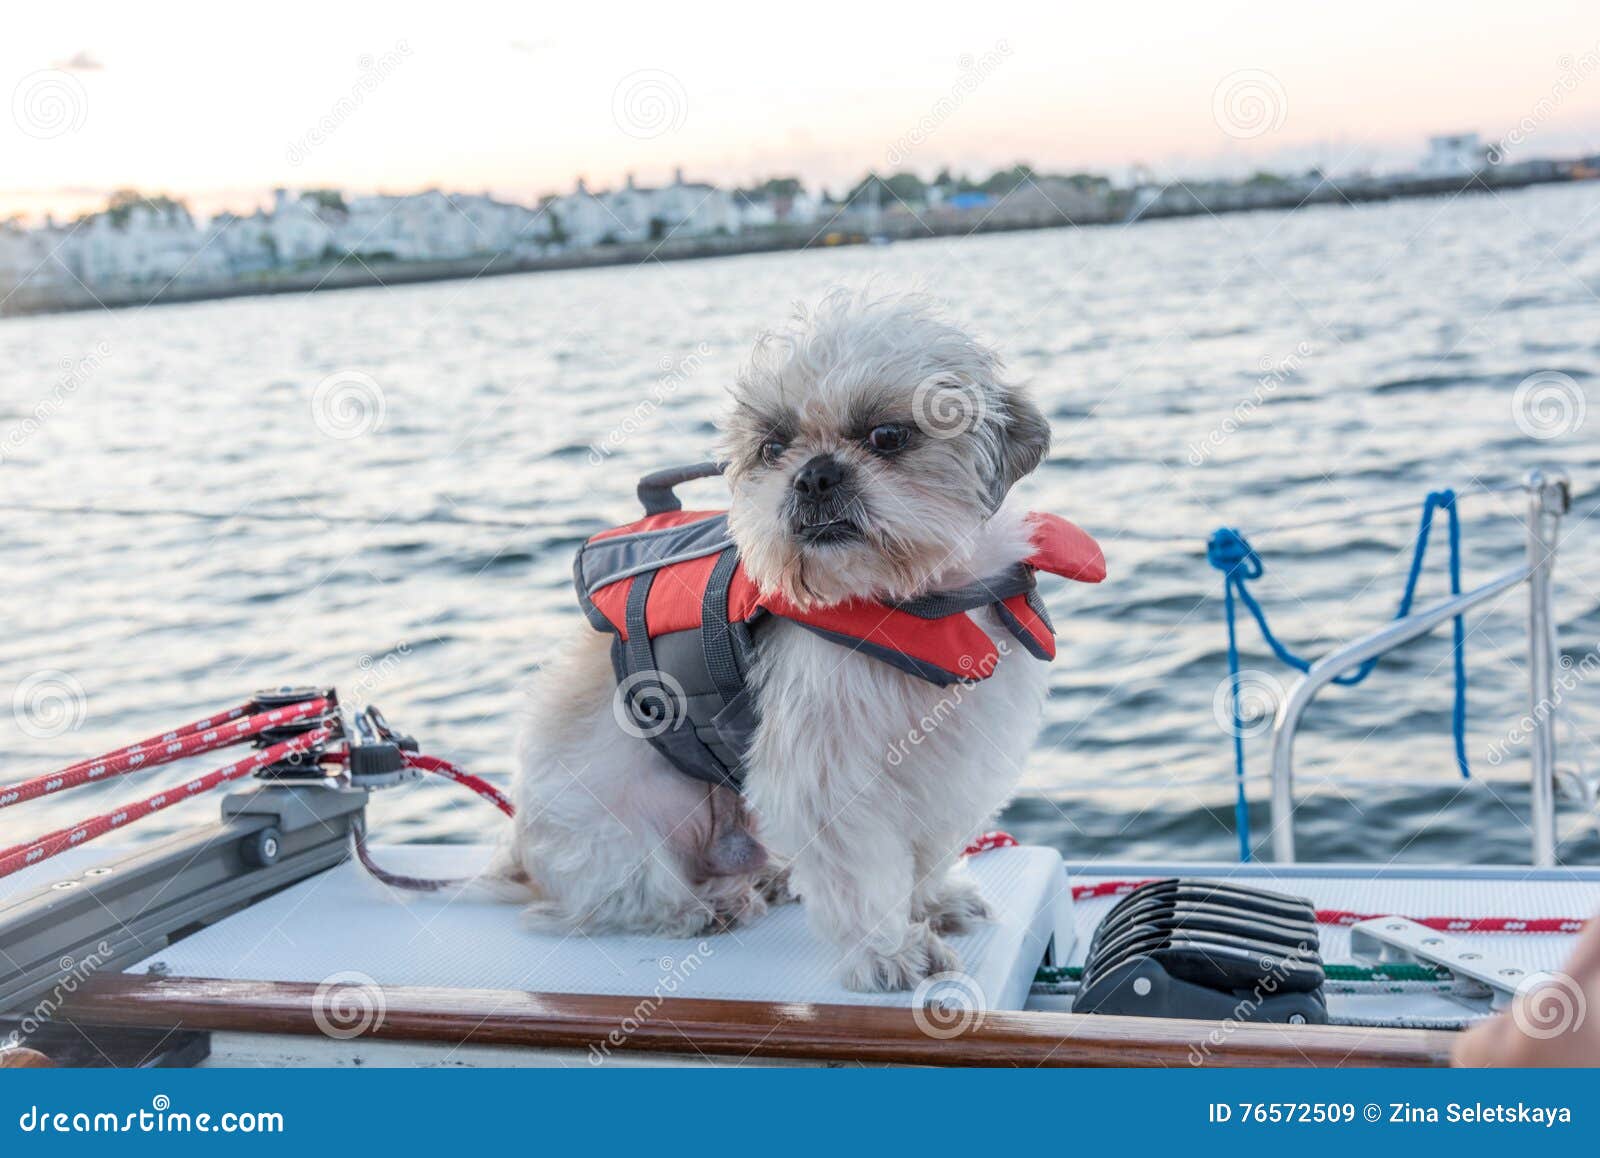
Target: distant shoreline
x,y
844,229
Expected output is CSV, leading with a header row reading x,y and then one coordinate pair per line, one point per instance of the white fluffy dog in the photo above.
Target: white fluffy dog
x,y
869,447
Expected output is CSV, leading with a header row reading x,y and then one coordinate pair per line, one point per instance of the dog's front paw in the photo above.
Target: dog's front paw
x,y
868,970
737,909
957,907
775,887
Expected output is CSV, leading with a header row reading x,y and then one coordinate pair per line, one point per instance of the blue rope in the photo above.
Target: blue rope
x,y
1231,553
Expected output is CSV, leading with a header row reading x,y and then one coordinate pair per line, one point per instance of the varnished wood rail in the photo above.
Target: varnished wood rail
x,y
733,1030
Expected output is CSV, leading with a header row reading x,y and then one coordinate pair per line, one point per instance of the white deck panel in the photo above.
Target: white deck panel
x,y
343,922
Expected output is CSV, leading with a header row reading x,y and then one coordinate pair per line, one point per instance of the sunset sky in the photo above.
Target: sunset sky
x,y
219,103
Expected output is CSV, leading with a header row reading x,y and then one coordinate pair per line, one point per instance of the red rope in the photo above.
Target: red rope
x,y
1465,924
1105,889
450,772
992,840
43,848
219,731
988,841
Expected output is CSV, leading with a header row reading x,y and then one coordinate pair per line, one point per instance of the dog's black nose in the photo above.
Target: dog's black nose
x,y
818,478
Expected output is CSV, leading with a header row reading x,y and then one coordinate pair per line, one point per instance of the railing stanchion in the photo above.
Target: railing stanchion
x,y
1548,497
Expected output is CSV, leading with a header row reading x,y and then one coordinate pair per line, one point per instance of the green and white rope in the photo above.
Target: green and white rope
x,y
1393,978
1389,972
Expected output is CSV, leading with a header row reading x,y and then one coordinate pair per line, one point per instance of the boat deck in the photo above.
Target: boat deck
x,y
463,979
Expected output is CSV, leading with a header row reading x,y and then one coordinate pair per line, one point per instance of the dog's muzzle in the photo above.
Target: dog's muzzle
x,y
820,502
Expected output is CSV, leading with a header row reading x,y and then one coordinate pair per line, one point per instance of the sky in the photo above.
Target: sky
x,y
219,104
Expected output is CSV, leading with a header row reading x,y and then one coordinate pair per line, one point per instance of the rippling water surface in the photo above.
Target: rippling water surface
x,y
1258,370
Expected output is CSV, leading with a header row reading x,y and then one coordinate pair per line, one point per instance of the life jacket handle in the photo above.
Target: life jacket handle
x,y
655,489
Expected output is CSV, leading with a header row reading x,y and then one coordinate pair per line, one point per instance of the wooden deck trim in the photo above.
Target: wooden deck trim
x,y
728,1031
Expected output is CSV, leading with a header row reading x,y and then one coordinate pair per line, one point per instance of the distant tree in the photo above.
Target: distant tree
x,y
329,199
1004,181
907,187
1088,182
773,187
782,187
863,189
120,205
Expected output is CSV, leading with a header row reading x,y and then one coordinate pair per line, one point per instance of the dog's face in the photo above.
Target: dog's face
x,y
867,445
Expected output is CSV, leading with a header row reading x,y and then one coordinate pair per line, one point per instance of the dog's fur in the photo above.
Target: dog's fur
x,y
867,781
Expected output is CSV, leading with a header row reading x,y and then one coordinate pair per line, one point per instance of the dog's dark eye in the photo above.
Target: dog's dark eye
x,y
888,439
772,450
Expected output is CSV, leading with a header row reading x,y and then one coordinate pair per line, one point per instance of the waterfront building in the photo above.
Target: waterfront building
x,y
1453,155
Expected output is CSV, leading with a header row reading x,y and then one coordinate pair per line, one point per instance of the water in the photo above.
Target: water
x,y
1253,370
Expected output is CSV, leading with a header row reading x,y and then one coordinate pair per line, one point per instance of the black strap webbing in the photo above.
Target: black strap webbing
x,y
715,635
641,656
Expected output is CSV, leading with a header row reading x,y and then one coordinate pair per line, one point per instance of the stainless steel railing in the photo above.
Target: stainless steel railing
x,y
1549,497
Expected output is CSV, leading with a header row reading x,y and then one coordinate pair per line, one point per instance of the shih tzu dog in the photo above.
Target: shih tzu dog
x,y
869,449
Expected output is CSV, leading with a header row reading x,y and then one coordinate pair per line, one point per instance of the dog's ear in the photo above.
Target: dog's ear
x,y
1024,441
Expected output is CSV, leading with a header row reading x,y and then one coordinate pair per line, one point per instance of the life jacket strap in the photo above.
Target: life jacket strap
x,y
685,690
1015,580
